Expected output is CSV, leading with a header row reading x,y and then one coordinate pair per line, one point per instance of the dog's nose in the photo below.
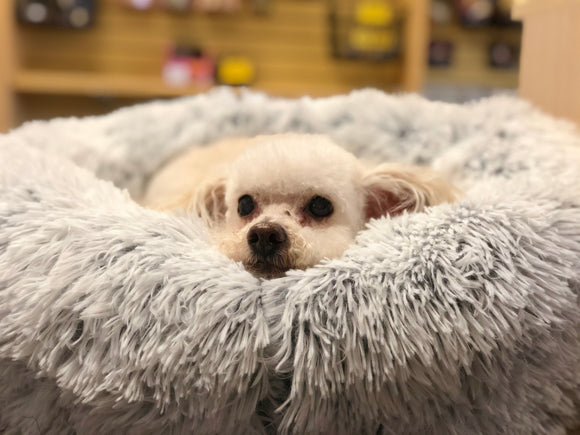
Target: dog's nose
x,y
266,239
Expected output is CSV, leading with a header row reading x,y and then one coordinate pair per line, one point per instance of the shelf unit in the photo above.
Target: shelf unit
x,y
471,56
121,57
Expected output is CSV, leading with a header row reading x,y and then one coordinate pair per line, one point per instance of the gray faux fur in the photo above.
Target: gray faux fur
x,y
115,319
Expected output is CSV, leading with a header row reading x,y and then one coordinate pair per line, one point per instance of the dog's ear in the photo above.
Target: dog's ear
x,y
391,189
208,201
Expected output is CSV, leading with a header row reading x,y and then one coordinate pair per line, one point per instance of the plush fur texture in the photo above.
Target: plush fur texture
x,y
460,320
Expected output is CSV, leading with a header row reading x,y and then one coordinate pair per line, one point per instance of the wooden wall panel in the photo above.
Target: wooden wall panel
x,y
7,66
290,46
550,62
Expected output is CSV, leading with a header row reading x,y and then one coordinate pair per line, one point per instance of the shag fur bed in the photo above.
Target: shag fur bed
x,y
115,319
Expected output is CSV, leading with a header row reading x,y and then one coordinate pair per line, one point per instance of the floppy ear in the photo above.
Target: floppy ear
x,y
391,189
207,201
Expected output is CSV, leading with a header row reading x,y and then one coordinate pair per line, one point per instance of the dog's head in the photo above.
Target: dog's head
x,y
292,200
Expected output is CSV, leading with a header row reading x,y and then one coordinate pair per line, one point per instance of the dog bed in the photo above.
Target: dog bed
x,y
461,320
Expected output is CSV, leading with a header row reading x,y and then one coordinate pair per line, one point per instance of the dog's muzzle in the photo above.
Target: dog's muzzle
x,y
267,239
269,245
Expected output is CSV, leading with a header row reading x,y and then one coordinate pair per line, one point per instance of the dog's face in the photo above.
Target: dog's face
x,y
292,200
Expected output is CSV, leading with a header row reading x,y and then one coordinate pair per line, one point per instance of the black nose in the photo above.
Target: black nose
x,y
266,239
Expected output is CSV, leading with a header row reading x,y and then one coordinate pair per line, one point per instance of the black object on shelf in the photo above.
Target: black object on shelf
x,y
502,16
73,14
473,13
503,55
440,53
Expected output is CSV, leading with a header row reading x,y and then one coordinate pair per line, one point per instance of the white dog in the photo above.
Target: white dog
x,y
285,202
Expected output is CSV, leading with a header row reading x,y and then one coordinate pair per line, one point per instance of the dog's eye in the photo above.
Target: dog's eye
x,y
245,205
320,207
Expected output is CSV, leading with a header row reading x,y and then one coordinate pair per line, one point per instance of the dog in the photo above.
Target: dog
x,y
288,201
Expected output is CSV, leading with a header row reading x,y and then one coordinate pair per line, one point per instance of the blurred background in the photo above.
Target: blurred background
x,y
86,57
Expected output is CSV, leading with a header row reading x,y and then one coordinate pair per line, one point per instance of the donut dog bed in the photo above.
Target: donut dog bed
x,y
460,320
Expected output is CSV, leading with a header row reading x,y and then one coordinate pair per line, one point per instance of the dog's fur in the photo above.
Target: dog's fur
x,y
282,174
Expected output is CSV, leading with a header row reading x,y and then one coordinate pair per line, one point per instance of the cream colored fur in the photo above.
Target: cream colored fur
x,y
283,173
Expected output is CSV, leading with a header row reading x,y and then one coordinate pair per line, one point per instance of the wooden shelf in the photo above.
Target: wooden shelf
x,y
122,56
90,83
79,83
